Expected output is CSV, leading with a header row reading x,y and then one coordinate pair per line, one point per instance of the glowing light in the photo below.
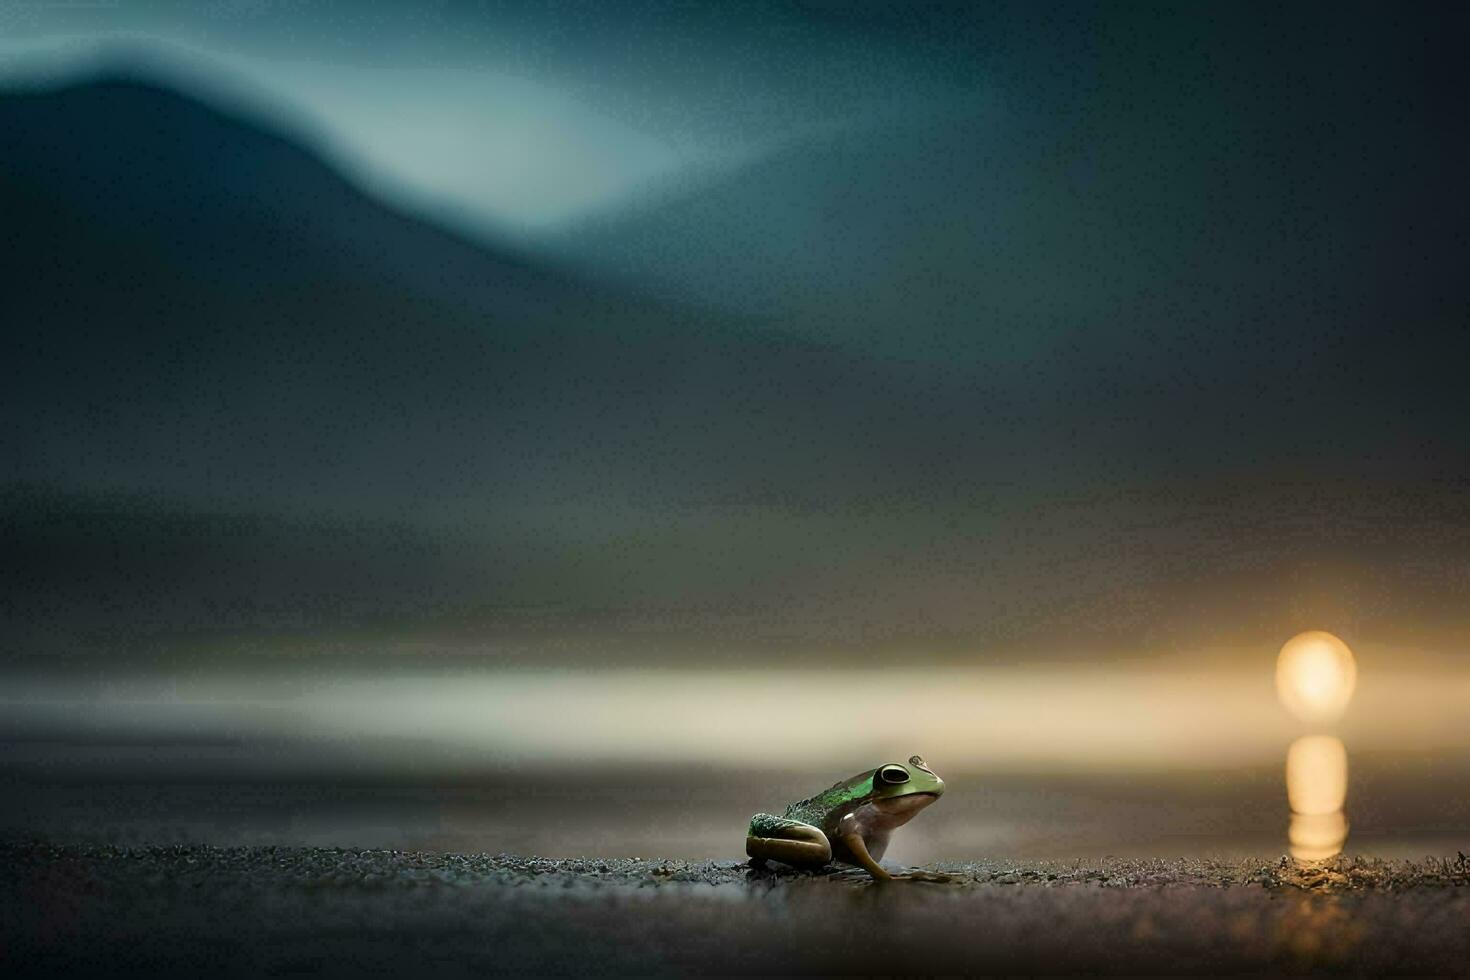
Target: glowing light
x,y
1315,676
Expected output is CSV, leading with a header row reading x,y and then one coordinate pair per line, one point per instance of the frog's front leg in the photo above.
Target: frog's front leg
x,y
847,831
790,841
850,835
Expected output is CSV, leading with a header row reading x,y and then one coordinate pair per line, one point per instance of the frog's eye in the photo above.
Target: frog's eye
x,y
893,775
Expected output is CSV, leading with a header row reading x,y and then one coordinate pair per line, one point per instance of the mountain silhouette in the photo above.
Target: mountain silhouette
x,y
204,308
241,395
204,319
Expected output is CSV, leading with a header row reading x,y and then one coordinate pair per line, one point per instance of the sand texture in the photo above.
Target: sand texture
x,y
234,911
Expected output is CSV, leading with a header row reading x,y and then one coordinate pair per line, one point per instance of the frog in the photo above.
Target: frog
x,y
851,822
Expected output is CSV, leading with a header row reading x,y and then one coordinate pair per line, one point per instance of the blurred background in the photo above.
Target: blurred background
x,y
569,429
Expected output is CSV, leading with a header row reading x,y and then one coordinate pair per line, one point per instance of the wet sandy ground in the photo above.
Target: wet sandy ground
x,y
252,910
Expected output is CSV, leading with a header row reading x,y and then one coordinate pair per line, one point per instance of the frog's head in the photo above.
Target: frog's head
x,y
905,789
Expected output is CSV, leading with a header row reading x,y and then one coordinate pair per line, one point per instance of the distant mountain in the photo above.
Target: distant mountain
x,y
202,318
199,306
238,394
204,306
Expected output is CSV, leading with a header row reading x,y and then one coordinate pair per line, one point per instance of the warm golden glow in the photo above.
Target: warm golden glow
x,y
1317,836
1315,676
1316,775
1064,717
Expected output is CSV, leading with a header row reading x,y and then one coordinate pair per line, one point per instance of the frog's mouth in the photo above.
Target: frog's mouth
x,y
889,814
904,806
907,801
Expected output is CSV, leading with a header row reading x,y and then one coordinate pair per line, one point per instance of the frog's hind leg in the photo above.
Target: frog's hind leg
x,y
786,840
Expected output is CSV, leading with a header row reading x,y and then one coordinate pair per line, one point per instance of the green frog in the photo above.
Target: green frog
x,y
851,822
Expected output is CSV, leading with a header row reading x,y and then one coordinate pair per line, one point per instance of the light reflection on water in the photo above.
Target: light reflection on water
x,y
1316,788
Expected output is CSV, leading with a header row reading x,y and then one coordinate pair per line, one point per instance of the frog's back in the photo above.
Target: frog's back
x,y
814,810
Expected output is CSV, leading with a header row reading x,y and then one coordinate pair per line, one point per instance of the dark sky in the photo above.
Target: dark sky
x,y
1113,171
529,114
812,326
